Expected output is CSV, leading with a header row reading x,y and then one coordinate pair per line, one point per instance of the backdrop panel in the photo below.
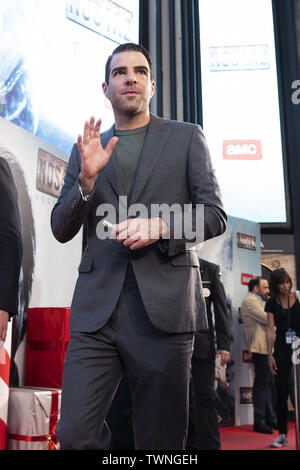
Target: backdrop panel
x,y
237,252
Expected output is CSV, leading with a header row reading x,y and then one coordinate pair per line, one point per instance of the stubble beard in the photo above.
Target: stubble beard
x,y
137,106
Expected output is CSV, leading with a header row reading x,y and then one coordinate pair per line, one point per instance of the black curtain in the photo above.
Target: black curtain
x,y
192,100
288,72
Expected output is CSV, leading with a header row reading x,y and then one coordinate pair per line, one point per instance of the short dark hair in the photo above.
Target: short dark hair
x,y
255,281
278,276
252,283
128,46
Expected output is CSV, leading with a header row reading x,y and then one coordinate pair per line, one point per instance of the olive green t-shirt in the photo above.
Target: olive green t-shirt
x,y
128,150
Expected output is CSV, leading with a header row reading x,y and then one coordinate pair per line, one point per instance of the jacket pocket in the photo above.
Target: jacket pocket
x,y
86,264
187,258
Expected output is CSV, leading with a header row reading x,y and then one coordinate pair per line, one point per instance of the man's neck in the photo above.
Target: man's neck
x,y
125,122
259,296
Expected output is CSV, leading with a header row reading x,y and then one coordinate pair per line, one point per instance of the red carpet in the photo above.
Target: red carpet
x,y
243,438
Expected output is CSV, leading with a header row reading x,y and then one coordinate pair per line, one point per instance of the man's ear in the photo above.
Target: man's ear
x,y
105,89
153,88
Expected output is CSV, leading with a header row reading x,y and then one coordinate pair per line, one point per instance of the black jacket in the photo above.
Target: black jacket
x,y
214,293
10,241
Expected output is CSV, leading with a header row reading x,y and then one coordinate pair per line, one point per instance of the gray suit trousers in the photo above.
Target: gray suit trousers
x,y
158,367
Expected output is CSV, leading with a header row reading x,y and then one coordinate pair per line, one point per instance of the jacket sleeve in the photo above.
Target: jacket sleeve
x,y
11,245
208,217
222,326
70,211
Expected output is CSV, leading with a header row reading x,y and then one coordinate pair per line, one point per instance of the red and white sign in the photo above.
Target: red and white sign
x,y
246,356
245,278
5,352
242,150
32,418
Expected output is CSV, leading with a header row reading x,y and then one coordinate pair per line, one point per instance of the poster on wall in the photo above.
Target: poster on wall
x,y
52,65
52,62
220,251
237,253
241,114
49,269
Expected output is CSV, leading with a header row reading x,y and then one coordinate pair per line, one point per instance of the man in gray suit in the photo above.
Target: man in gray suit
x,y
138,298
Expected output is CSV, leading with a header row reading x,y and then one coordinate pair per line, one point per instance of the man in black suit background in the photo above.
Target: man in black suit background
x,y
203,419
10,248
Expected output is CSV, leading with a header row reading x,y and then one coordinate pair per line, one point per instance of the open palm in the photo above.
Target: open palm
x,y
93,156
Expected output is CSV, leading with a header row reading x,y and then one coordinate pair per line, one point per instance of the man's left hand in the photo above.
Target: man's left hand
x,y
225,356
138,233
3,324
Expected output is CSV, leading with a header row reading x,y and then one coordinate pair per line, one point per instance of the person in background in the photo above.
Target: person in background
x,y
283,310
11,248
19,320
255,321
203,433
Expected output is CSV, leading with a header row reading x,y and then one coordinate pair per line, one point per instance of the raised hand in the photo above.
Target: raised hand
x,y
93,156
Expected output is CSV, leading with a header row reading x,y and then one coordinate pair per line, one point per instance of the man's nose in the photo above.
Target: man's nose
x,y
131,78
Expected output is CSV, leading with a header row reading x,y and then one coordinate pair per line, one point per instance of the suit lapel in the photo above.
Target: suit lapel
x,y
111,169
156,137
155,140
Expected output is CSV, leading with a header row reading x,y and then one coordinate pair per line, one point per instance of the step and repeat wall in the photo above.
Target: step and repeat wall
x,y
52,65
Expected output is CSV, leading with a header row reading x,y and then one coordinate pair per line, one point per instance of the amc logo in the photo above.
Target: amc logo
x,y
242,150
245,278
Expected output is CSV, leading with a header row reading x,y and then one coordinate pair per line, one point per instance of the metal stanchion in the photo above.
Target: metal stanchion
x,y
296,366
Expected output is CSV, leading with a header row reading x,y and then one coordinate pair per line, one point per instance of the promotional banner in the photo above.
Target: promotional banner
x,y
52,65
49,268
237,252
241,114
52,62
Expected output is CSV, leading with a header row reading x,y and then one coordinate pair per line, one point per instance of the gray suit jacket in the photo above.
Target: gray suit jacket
x,y
174,167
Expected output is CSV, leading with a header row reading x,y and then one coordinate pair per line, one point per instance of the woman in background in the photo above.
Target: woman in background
x,y
283,310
